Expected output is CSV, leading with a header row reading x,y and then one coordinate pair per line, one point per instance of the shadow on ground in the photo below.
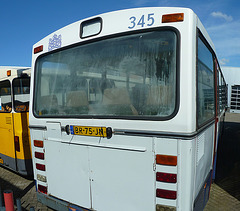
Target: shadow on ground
x,y
228,160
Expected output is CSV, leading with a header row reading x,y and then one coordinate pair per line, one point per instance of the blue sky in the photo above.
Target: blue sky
x,y
25,22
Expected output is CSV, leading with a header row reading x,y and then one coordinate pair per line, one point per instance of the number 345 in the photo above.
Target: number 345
x,y
142,21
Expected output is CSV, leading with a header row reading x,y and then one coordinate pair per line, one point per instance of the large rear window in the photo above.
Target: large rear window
x,y
131,76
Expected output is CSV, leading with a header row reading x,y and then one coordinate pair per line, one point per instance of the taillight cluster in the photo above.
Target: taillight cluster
x,y
166,177
40,166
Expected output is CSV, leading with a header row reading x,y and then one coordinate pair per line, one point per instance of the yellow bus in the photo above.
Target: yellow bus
x,y
15,146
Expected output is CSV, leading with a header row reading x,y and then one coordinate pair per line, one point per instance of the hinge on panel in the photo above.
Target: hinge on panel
x,y
154,167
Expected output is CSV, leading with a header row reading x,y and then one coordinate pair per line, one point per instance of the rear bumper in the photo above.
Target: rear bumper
x,y
58,204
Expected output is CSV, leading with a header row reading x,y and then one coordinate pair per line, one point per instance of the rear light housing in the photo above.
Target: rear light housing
x,y
38,143
176,17
41,178
38,49
166,194
42,189
169,160
166,177
40,167
39,155
165,208
9,73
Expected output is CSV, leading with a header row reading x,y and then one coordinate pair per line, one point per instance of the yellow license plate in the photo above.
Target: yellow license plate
x,y
88,131
1,161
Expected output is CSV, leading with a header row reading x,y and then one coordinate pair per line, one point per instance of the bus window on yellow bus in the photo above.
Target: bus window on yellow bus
x,y
21,90
5,98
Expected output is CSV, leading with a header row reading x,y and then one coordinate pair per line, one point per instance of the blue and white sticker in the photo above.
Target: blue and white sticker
x,y
55,42
71,130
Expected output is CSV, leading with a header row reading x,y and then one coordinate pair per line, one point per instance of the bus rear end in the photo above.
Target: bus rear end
x,y
109,129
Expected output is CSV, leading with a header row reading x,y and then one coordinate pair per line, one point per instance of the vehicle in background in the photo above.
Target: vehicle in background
x,y
15,144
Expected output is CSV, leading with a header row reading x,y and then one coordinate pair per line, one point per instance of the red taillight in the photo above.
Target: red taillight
x,y
166,177
38,49
166,194
17,144
42,189
40,167
38,143
39,155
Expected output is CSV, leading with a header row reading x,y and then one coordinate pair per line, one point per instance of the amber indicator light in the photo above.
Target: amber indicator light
x,y
176,17
166,160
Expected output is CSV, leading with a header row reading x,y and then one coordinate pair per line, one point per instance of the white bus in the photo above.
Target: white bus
x,y
125,112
